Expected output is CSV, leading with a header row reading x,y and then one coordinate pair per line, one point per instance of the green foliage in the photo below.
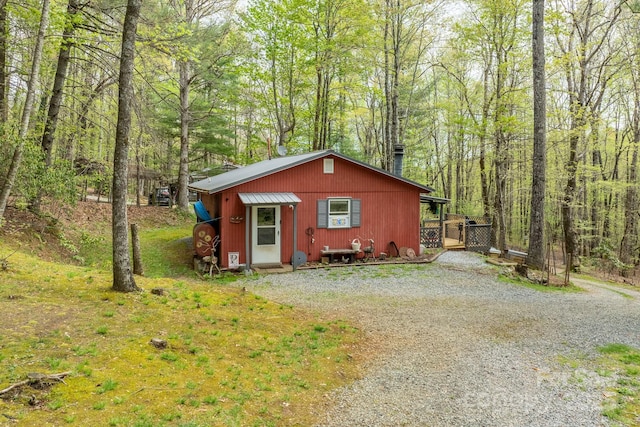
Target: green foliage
x,y
607,258
517,279
624,406
34,179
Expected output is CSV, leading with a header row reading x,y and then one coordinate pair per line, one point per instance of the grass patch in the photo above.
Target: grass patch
x,y
245,359
165,251
624,404
521,281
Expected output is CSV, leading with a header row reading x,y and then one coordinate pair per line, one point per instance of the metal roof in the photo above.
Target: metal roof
x,y
250,199
426,199
254,171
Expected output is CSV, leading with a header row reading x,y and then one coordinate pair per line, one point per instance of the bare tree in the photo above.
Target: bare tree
x,y
123,280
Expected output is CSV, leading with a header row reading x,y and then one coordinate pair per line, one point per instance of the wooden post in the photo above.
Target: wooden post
x,y
137,257
549,250
567,270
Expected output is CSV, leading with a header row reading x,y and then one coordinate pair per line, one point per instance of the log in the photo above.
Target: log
x,y
36,378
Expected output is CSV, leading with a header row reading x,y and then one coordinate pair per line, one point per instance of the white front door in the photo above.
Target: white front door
x,y
265,226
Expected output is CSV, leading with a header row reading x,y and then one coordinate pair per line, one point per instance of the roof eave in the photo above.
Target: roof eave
x,y
303,160
306,159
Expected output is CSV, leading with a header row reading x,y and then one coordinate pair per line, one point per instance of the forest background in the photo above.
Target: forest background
x,y
221,83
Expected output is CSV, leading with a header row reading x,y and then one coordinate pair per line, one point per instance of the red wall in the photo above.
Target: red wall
x,y
390,209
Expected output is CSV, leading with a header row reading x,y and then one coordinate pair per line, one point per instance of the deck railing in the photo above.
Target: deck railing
x,y
471,232
431,234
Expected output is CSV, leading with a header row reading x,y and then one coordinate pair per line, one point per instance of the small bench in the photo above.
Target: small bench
x,y
333,252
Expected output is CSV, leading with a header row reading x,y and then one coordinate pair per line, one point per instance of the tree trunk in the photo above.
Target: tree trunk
x,y
500,159
317,145
535,258
58,84
394,129
4,109
138,269
629,243
185,122
26,112
586,80
123,280
568,203
56,96
386,137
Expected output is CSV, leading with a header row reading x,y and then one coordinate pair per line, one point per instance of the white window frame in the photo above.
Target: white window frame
x,y
328,166
339,219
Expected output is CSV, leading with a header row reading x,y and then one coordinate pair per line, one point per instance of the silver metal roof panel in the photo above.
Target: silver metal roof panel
x,y
250,199
248,173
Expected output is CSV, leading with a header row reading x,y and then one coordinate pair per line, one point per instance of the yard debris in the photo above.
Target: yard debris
x,y
4,264
35,380
158,343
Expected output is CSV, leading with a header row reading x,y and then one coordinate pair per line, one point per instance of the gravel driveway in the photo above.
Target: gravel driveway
x,y
460,348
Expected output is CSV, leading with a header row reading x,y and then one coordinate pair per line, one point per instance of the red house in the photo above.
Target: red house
x,y
289,209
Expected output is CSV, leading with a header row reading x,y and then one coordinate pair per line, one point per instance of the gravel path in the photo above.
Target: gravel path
x,y
460,348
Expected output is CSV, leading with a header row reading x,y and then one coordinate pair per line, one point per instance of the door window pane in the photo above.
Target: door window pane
x,y
266,216
266,230
266,236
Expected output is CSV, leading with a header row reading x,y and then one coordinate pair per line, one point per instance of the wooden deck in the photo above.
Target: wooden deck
x,y
469,233
452,244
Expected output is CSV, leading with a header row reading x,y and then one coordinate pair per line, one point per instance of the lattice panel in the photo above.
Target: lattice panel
x,y
478,237
430,237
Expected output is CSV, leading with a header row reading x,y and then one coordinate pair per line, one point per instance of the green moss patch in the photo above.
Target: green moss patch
x,y
231,357
623,403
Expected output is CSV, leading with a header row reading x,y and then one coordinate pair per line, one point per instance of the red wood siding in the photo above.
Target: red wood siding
x,y
390,209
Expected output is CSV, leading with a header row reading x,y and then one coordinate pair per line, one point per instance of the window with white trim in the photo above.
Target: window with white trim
x,y
328,165
338,212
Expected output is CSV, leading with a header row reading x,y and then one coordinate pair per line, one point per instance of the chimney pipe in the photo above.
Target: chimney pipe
x,y
398,155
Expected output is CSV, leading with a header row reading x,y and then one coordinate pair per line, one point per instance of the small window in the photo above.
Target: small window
x,y
339,213
328,165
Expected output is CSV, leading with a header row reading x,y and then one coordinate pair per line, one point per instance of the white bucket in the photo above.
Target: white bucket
x,y
355,245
